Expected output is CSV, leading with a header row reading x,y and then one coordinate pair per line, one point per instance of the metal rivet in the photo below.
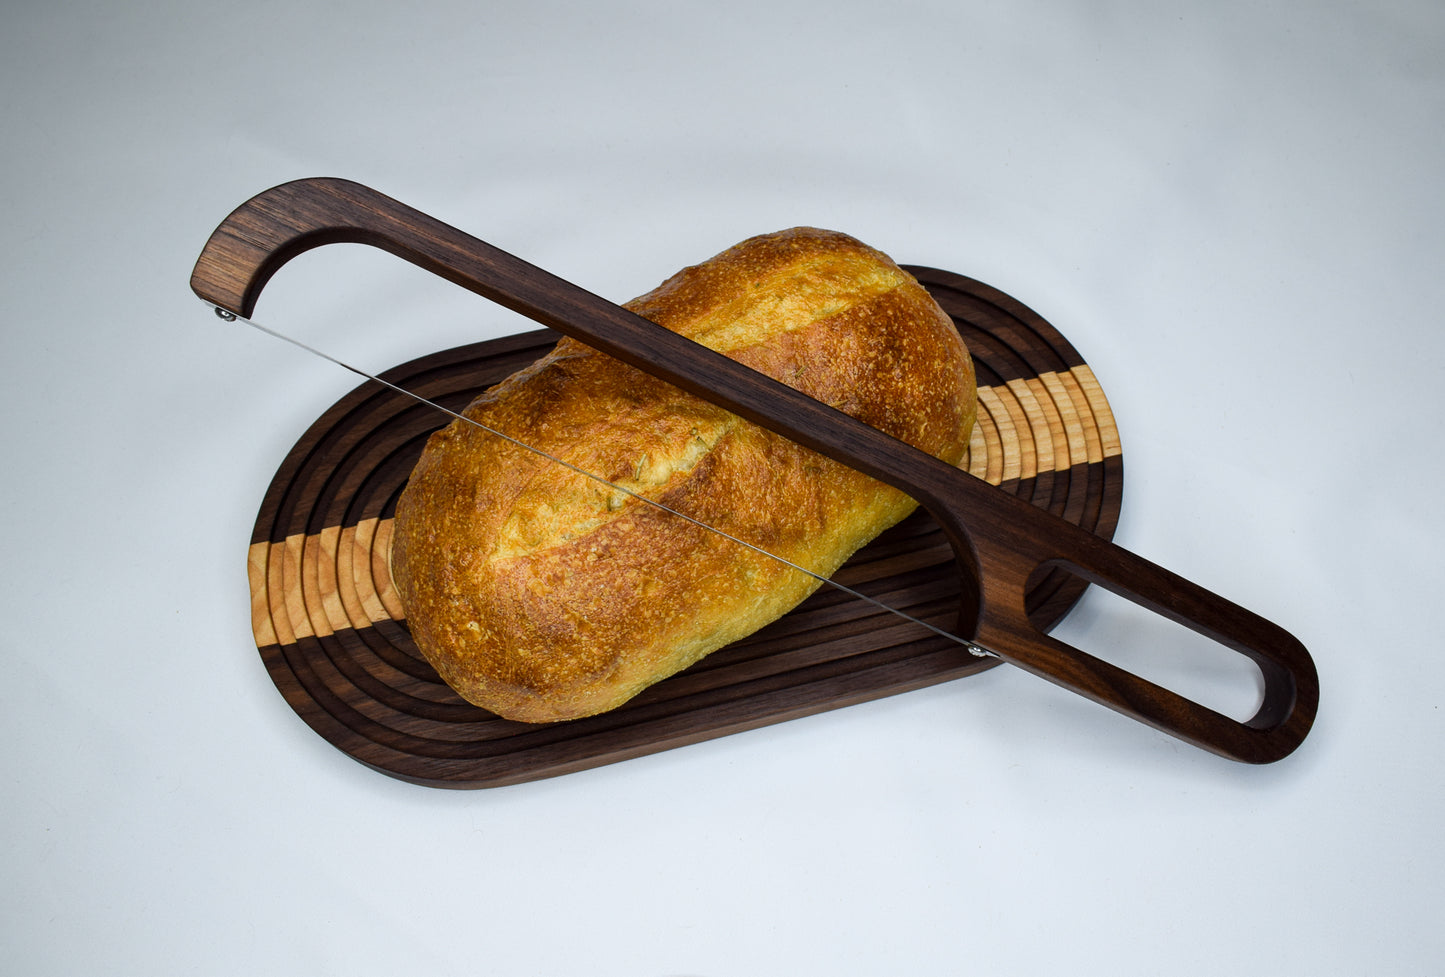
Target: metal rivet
x,y
228,316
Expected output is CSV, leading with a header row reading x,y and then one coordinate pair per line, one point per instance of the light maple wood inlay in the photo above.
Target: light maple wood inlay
x,y
381,571
257,566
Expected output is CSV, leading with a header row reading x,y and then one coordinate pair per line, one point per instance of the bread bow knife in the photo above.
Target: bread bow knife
x,y
1000,542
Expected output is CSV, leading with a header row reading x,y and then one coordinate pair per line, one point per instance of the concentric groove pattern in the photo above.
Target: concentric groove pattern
x,y
332,633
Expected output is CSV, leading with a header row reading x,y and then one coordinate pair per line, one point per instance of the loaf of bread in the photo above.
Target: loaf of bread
x,y
544,595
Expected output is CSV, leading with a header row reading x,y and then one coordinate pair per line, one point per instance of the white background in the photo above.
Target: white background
x,y
1233,210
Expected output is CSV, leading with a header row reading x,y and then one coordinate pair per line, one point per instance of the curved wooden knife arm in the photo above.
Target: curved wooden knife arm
x,y
999,540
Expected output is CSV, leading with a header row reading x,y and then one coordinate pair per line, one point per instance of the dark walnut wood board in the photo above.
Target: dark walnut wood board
x,y
333,635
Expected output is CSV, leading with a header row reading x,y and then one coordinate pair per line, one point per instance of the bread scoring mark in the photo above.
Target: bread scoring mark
x,y
792,298
558,506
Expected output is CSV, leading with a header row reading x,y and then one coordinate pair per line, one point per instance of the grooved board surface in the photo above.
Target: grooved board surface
x,y
332,632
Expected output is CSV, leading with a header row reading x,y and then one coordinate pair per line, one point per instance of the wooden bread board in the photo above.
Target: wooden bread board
x,y
333,634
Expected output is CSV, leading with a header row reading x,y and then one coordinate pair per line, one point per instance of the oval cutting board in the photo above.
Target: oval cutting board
x,y
333,635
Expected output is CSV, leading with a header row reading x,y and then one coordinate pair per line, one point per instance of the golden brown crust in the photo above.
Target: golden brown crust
x,y
544,595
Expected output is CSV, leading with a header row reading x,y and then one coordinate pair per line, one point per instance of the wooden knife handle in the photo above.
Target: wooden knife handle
x,y
999,540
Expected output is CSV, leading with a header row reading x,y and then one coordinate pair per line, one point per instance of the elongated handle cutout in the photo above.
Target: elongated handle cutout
x,y
1291,684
